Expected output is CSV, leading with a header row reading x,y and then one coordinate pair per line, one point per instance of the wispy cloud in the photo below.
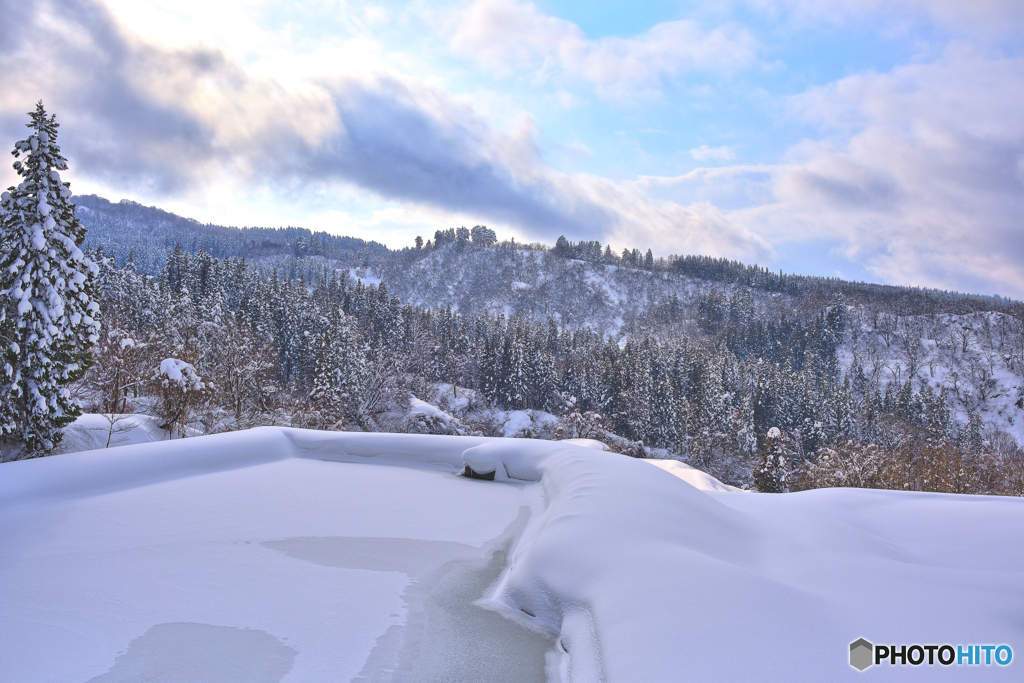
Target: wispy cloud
x,y
513,36
705,153
172,121
915,172
985,17
918,174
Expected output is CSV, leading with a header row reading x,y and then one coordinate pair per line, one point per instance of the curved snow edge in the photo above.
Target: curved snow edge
x,y
601,516
87,473
604,515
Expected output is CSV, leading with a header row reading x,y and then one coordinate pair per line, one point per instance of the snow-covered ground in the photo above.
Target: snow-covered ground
x,y
291,555
92,430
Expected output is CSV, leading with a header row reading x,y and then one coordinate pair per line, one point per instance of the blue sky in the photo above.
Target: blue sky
x,y
859,138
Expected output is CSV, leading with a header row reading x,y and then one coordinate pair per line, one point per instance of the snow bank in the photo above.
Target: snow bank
x,y
691,475
646,580
640,576
587,443
89,473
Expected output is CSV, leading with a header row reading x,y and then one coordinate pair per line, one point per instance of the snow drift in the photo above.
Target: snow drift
x,y
634,574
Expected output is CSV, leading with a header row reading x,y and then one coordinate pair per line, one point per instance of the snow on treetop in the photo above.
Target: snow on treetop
x,y
172,368
179,372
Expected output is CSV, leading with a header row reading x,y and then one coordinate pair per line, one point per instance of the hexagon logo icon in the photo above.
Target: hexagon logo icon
x,y
862,654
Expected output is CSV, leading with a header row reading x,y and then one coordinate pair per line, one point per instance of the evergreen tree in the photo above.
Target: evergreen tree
x,y
771,476
746,438
972,439
48,319
340,369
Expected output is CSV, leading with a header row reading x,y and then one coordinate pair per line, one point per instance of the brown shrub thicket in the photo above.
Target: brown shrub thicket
x,y
916,466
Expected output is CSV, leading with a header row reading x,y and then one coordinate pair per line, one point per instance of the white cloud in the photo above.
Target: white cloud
x,y
917,173
978,17
175,122
705,153
513,35
918,176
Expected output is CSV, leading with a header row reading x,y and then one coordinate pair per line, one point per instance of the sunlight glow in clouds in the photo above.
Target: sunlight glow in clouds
x,y
709,132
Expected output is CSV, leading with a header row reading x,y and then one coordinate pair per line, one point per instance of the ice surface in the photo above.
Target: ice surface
x,y
448,637
85,576
187,653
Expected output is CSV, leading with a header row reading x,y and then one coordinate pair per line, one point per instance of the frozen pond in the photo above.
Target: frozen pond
x,y
298,570
446,638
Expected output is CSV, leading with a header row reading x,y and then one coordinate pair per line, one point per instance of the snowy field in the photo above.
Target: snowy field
x,y
290,555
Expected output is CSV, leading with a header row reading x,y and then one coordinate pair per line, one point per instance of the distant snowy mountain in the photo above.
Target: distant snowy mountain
x,y
146,236
977,356
737,349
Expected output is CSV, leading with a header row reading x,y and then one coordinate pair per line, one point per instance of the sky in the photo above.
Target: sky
x,y
864,139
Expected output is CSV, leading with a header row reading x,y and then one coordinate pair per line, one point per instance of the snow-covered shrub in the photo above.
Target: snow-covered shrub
x,y
921,466
581,425
180,388
424,418
852,464
482,423
120,368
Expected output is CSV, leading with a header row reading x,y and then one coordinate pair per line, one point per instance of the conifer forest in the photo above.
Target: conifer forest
x,y
685,357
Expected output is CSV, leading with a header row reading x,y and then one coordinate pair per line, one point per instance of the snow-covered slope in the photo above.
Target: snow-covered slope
x,y
290,555
536,285
692,476
978,358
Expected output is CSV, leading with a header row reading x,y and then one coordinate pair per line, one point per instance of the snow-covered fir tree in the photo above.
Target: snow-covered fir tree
x,y
338,381
48,318
771,476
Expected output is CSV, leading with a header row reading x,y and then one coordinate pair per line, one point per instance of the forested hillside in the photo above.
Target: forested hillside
x,y
692,357
146,236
